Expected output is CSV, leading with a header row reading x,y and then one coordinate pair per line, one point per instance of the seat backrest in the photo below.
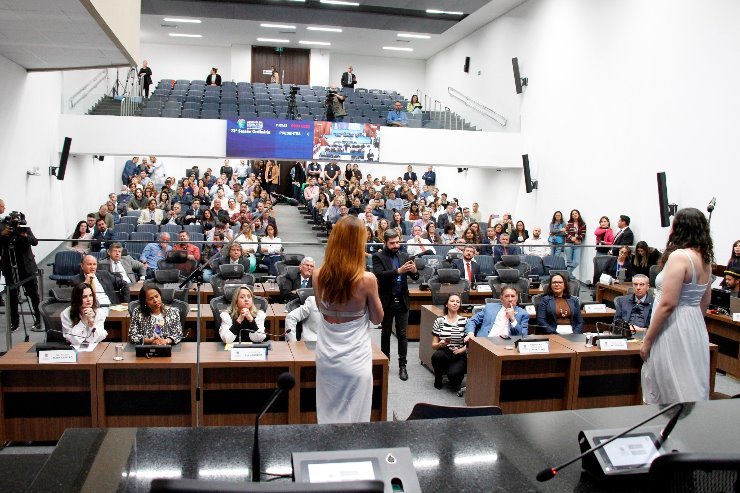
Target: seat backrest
x,y
67,263
50,310
602,263
696,472
304,293
147,228
423,410
553,262
536,267
446,282
486,264
653,273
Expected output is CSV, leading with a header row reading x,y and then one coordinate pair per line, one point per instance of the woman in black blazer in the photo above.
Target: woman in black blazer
x,y
558,311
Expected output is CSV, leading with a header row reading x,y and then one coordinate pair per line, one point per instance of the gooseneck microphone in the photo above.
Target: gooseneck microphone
x,y
288,200
285,381
549,473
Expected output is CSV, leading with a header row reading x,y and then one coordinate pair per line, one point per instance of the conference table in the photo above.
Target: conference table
x,y
723,331
429,313
569,376
496,453
39,401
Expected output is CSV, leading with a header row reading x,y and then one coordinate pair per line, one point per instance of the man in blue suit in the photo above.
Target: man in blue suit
x,y
504,248
636,309
500,319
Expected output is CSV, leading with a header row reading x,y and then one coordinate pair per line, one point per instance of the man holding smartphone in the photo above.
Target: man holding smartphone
x,y
392,267
503,319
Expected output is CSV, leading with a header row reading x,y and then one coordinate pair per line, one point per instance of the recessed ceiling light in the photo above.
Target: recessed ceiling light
x,y
416,36
272,40
341,2
177,19
180,35
278,26
325,29
443,12
319,43
397,48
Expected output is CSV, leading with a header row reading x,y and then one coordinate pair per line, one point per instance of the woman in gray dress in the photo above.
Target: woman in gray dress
x,y
676,345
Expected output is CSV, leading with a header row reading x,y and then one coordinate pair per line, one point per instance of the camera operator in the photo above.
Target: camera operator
x,y
16,239
334,104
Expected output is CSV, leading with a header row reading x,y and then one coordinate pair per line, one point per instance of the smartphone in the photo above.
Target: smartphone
x,y
84,345
505,337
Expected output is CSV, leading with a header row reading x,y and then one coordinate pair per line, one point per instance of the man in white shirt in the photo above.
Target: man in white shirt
x,y
416,244
309,314
127,267
536,239
499,319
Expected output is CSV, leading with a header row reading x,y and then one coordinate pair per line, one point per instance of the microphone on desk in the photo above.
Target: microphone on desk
x,y
285,381
268,334
549,473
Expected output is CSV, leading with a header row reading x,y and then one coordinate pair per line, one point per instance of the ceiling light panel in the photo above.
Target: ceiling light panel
x,y
273,40
185,21
317,43
324,29
414,36
397,48
181,35
278,26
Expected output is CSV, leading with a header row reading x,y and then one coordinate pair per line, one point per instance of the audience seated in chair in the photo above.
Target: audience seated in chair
x,y
308,315
84,321
558,311
242,316
130,269
110,289
636,308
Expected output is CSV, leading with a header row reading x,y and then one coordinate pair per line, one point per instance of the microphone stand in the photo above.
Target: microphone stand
x,y
197,277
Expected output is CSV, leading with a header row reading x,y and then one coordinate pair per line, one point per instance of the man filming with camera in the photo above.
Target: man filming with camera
x,y
18,264
334,104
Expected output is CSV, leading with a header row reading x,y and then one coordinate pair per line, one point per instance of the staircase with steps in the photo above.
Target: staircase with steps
x,y
109,106
447,120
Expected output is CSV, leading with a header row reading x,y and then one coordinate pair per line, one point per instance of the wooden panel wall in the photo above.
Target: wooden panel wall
x,y
293,61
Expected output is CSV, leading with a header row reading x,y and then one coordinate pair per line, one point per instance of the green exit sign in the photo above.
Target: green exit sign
x,y
278,50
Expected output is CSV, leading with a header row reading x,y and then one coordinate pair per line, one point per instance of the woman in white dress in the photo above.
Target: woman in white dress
x,y
347,297
676,345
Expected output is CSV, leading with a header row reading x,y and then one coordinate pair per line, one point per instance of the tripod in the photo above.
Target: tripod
x,y
130,77
16,285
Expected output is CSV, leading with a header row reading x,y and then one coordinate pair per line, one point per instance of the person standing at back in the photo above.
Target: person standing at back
x,y
392,267
349,79
347,297
676,346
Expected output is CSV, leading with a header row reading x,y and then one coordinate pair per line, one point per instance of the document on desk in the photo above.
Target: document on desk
x,y
86,349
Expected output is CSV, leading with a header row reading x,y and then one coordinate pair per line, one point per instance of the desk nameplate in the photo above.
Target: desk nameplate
x,y
249,354
533,347
57,356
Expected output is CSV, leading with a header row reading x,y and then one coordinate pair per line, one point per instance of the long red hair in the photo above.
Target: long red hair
x,y
344,261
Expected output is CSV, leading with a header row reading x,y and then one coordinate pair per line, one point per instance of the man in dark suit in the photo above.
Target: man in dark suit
x,y
505,248
469,268
392,267
297,280
349,79
110,289
637,308
126,266
446,218
21,239
102,237
624,236
410,174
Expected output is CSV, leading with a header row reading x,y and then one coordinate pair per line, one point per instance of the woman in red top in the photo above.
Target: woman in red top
x,y
575,232
604,235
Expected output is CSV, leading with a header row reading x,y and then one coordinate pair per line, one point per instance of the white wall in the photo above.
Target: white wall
x,y
319,67
29,137
188,61
123,19
617,92
74,80
241,63
400,74
116,135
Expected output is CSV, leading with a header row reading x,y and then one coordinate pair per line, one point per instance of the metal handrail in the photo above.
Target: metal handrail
x,y
132,96
476,106
101,76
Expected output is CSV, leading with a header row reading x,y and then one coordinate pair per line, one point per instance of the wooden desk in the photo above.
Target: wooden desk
x,y
304,356
429,314
606,293
146,391
276,321
268,289
519,383
234,391
206,292
726,335
39,401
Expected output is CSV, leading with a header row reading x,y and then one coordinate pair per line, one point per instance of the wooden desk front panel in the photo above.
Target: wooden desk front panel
x,y
726,334
305,372
140,392
234,391
38,402
519,383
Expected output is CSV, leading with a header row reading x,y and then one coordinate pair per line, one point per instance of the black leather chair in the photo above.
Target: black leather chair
x,y
50,310
511,277
446,282
222,302
169,279
602,264
230,274
697,473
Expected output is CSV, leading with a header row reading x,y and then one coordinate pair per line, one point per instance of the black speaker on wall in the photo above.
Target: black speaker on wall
x,y
63,158
665,208
529,184
466,68
519,81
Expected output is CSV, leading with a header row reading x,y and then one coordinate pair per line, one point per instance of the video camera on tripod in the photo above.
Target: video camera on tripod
x,y
15,221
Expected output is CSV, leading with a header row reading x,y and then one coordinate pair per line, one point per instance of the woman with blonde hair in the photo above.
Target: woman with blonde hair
x,y
347,297
242,315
